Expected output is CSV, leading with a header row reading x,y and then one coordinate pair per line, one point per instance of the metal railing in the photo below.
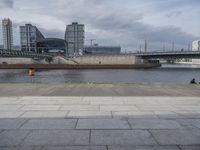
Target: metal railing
x,y
17,53
169,54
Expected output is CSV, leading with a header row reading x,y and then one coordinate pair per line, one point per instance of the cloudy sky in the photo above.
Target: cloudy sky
x,y
111,22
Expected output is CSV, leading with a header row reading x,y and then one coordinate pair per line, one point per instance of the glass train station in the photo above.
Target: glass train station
x,y
53,46
32,40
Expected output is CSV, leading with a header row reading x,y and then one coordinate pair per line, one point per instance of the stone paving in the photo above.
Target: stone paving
x,y
99,123
92,89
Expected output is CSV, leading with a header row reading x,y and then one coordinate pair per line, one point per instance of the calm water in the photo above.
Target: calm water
x,y
166,74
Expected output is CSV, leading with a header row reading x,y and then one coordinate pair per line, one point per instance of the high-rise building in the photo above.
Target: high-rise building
x,y
29,35
74,36
196,45
7,34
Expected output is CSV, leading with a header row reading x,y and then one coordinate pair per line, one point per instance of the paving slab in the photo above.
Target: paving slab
x,y
20,148
177,137
121,137
38,102
12,137
191,147
98,98
11,114
187,107
192,114
157,108
102,124
66,98
118,108
76,148
133,114
167,115
143,148
11,123
154,124
34,98
44,114
72,102
89,114
142,101
9,100
80,107
11,107
189,123
50,124
103,100
40,107
57,137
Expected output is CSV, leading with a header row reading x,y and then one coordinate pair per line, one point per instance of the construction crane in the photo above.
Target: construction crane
x,y
91,41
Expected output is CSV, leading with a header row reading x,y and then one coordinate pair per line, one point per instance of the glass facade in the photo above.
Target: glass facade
x,y
74,36
7,34
52,45
28,36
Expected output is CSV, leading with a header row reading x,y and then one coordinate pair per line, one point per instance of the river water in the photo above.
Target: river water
x,y
165,74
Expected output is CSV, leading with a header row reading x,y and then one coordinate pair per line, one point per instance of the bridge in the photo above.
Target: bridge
x,y
15,53
169,55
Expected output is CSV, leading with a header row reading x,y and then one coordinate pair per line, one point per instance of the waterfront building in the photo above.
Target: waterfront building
x,y
7,34
74,36
196,47
29,35
53,46
96,49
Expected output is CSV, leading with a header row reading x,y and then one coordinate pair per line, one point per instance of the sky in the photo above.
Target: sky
x,y
125,23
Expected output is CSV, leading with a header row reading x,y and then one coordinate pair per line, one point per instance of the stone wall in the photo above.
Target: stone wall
x,y
92,59
16,60
114,59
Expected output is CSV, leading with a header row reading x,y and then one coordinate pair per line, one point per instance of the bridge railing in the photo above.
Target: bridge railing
x,y
167,53
17,53
170,55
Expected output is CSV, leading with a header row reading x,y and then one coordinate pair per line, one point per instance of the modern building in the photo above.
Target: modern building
x,y
96,49
7,34
196,47
53,46
74,36
29,35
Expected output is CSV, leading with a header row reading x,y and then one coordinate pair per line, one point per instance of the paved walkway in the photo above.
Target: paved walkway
x,y
99,90
99,123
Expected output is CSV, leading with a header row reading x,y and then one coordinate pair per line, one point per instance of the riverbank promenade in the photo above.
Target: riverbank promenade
x,y
99,117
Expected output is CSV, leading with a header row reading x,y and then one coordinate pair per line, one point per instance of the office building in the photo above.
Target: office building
x,y
96,49
74,36
196,47
29,35
53,46
7,34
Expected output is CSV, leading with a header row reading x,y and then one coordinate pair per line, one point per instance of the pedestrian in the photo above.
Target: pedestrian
x,y
193,81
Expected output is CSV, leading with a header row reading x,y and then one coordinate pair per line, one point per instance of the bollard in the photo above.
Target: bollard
x,y
31,72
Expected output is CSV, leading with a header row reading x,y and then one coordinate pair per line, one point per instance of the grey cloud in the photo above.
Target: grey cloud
x,y
174,14
6,3
131,31
120,26
113,24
